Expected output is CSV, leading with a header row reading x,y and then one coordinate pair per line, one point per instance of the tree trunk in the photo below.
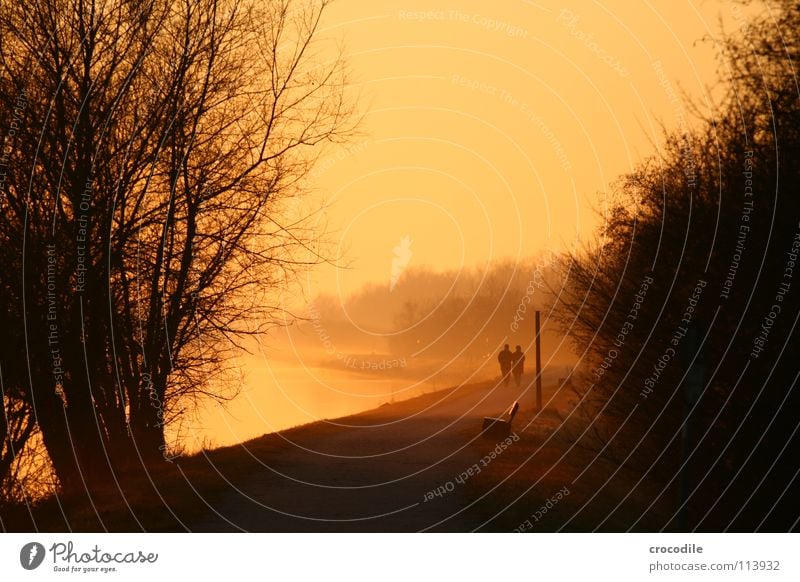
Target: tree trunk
x,y
148,433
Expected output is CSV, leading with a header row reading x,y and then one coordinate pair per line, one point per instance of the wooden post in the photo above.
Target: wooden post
x,y
538,364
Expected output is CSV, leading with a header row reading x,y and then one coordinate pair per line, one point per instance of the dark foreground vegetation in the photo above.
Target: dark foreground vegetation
x,y
687,306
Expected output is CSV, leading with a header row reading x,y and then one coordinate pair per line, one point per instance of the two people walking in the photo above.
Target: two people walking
x,y
511,363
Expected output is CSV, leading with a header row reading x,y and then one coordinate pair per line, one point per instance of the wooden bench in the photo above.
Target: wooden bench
x,y
500,428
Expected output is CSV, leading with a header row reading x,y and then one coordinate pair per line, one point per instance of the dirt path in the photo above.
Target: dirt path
x,y
369,472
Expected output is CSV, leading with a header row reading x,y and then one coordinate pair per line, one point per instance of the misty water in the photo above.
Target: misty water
x,y
279,395
428,331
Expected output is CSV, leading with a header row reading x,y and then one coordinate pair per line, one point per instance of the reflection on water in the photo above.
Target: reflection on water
x,y
276,395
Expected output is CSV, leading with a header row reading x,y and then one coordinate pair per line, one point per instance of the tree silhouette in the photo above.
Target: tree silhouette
x,y
156,150
717,212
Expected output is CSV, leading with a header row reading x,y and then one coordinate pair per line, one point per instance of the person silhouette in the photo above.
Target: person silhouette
x,y
505,358
518,364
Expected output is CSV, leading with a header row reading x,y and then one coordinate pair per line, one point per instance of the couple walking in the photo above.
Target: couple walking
x,y
511,363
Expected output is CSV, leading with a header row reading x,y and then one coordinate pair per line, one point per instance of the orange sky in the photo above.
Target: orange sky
x,y
493,129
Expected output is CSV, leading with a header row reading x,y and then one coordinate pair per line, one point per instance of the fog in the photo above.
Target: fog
x,y
422,331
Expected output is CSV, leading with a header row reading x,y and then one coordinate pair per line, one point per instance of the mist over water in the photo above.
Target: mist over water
x,y
423,332
279,395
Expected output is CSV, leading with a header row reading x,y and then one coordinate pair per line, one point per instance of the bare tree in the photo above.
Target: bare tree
x,y
146,204
16,428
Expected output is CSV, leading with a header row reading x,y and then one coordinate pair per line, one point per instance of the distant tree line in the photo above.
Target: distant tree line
x,y
460,315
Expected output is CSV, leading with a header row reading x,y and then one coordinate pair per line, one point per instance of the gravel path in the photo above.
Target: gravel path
x,y
368,472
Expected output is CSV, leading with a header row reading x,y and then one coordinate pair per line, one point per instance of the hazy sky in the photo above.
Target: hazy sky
x,y
493,129
490,130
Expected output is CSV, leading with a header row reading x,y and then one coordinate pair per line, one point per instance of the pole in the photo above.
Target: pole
x,y
538,364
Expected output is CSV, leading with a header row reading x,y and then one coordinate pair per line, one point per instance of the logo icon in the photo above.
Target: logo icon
x,y
31,555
